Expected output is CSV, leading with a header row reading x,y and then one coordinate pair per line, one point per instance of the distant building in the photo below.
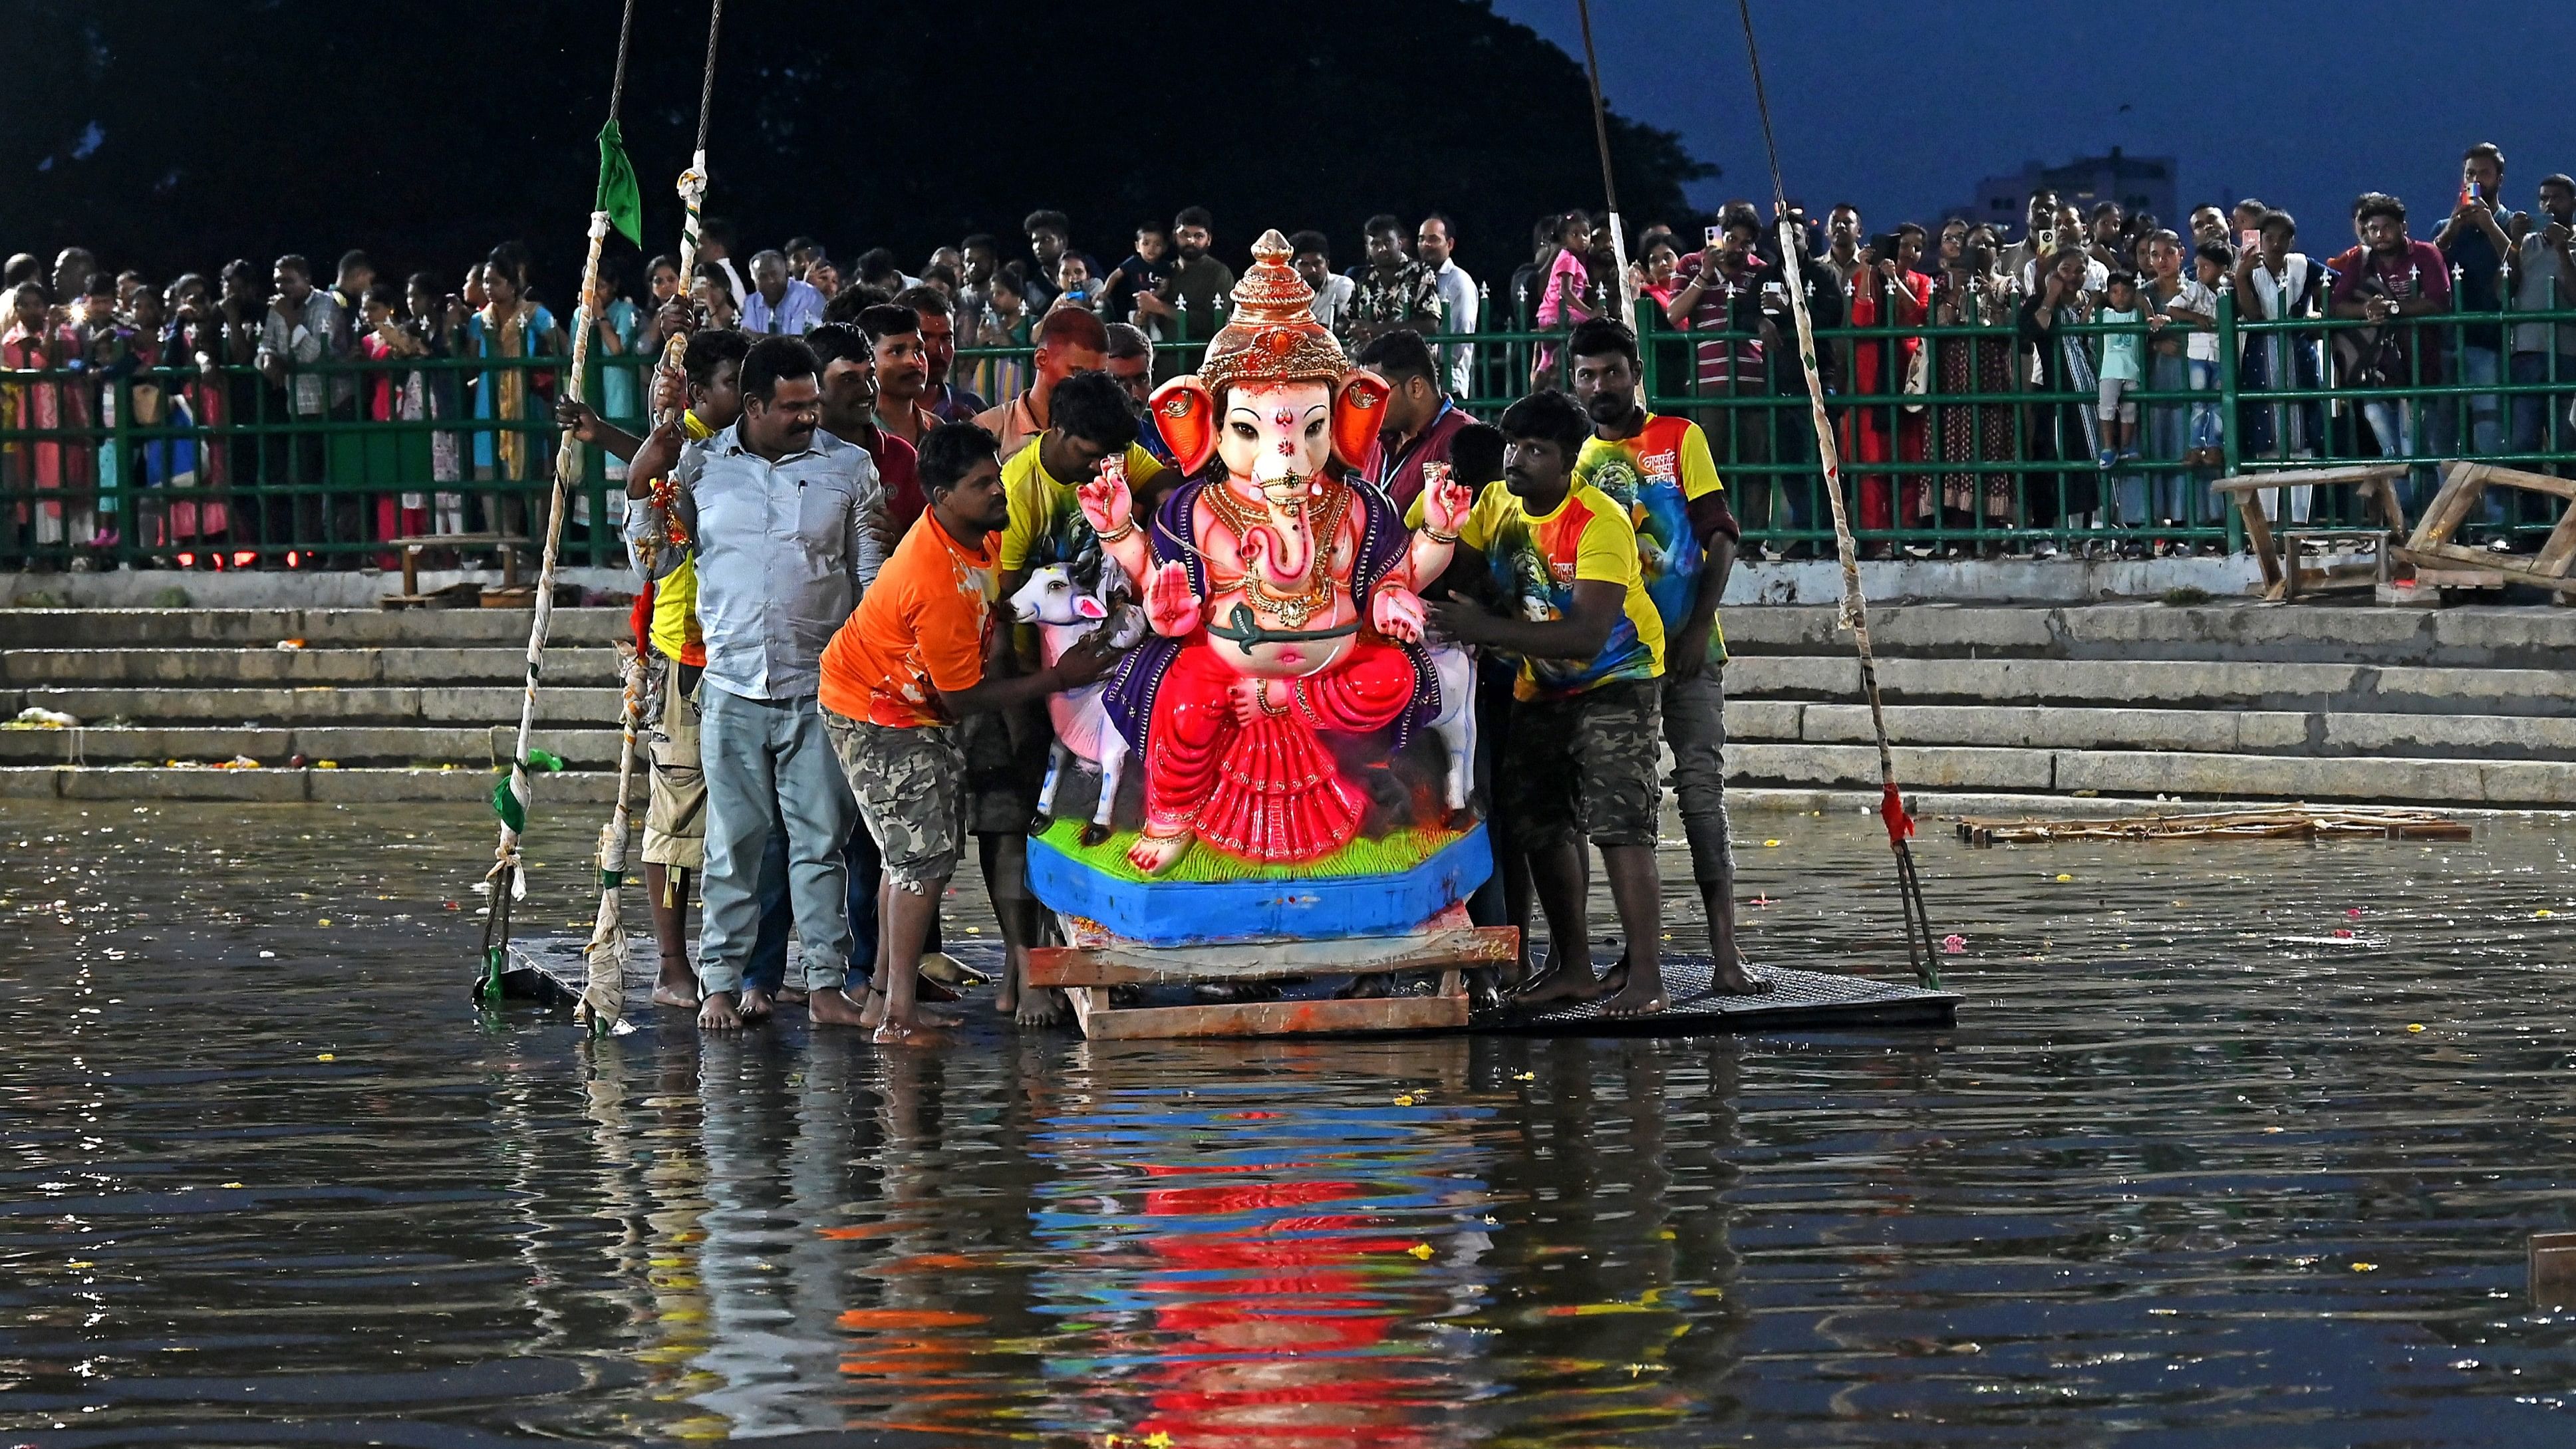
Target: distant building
x,y
2138,183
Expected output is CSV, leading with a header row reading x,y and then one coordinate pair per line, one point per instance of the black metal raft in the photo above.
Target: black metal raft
x,y
550,970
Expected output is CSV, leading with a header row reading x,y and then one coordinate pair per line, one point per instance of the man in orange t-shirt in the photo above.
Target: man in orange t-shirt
x,y
897,677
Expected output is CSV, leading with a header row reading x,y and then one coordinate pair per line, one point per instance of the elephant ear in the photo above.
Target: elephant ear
x,y
1186,416
1359,406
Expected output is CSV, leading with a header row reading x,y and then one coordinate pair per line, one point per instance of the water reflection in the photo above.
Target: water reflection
x,y
2183,1176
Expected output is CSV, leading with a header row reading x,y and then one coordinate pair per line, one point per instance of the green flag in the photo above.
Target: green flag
x,y
618,195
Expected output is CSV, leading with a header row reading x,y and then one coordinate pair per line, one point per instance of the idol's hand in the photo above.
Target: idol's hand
x,y
1106,503
1247,695
1445,503
1170,604
1396,613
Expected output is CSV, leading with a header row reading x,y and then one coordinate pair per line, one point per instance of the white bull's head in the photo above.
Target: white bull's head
x,y
1052,597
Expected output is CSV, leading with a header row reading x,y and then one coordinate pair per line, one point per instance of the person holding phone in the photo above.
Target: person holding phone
x,y
2473,242
1887,290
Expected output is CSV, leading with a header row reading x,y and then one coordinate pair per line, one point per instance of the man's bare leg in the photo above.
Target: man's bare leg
x,y
1727,968
667,890
1005,858
1637,892
1556,877
908,909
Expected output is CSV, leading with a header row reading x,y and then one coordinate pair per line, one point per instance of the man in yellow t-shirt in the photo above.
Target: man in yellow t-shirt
x,y
1578,761
1660,469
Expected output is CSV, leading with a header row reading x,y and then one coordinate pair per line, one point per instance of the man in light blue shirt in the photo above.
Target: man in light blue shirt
x,y
779,304
1434,243
784,520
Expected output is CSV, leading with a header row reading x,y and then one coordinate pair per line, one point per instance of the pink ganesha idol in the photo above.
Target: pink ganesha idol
x,y
1284,602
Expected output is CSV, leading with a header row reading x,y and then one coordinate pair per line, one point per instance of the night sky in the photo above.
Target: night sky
x,y
2305,105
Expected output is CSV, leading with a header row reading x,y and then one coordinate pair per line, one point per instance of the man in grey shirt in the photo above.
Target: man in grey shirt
x,y
784,519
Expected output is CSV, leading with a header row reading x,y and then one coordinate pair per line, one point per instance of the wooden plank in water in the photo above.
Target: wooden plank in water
x,y
1328,1017
1122,965
2289,822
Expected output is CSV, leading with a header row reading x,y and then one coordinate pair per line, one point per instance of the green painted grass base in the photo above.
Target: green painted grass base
x,y
1395,854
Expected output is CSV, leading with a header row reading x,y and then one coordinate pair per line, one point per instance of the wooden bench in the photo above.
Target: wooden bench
x,y
509,546
2282,576
2464,484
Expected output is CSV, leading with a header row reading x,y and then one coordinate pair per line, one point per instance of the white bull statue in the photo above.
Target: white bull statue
x,y
1064,612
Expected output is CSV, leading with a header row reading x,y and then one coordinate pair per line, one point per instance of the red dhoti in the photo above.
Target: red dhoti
x,y
1267,790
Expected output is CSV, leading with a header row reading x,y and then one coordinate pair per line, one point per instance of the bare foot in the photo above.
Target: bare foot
x,y
677,985
717,1013
835,1008
1642,994
1734,979
872,1010
1155,854
1006,996
1043,1006
791,996
1556,984
756,1005
915,1033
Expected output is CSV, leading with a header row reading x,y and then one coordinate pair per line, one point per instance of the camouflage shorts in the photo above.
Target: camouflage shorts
x,y
911,784
1583,766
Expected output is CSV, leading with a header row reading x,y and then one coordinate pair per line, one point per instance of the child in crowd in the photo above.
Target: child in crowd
x,y
2119,370
1005,323
2212,261
1073,284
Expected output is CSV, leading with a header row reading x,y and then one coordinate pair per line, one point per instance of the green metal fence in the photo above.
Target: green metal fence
x,y
1968,454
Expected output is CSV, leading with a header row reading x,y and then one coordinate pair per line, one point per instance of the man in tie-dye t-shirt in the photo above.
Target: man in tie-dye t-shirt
x,y
1559,558
1660,469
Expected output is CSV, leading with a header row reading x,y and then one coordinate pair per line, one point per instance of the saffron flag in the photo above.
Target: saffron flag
x,y
618,194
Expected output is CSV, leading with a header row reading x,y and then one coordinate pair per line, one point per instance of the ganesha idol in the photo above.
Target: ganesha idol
x,y
1286,654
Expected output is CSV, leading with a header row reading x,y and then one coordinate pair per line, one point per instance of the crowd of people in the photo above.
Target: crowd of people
x,y
243,379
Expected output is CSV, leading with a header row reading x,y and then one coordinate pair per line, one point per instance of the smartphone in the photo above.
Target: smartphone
x,y
1712,237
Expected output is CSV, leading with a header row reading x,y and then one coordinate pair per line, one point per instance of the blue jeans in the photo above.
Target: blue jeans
x,y
2167,429
770,772
2479,367
2540,419
2393,424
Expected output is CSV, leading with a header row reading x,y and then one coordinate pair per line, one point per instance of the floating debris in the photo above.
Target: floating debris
x,y
2286,822
32,718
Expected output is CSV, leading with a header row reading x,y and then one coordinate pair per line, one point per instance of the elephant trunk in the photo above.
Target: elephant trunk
x,y
1281,551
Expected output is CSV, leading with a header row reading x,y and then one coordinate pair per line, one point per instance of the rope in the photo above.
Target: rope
x,y
507,881
1855,608
693,190
1609,186
603,997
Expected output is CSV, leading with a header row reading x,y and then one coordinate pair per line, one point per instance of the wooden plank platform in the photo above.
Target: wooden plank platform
x,y
550,970
2283,822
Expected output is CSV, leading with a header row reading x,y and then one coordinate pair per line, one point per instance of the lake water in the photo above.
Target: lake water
x,y
2186,1173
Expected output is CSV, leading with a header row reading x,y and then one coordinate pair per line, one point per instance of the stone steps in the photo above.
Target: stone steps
x,y
570,707
2149,683
2471,636
318,628
2466,706
223,668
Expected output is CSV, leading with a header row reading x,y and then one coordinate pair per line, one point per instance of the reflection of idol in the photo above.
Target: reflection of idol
x,y
1283,1289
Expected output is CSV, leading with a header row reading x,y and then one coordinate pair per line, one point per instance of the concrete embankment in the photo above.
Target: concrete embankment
x,y
2470,706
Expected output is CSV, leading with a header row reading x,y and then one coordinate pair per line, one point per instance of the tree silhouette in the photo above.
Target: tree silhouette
x,y
427,130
